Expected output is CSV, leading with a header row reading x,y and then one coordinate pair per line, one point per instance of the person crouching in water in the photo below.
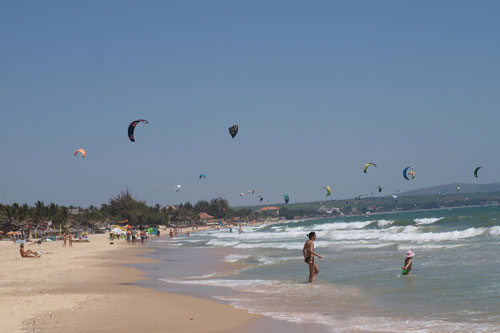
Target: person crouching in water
x,y
308,252
408,261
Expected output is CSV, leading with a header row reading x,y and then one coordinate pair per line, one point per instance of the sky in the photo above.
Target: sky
x,y
317,88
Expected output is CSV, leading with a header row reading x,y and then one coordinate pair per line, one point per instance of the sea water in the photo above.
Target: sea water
x,y
454,283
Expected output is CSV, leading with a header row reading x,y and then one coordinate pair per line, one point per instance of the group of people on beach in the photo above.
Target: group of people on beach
x,y
175,232
309,253
68,237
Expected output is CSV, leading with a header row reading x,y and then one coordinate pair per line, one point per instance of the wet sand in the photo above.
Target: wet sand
x,y
88,288
94,287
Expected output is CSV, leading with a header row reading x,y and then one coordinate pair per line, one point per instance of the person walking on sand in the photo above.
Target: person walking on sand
x,y
70,239
308,252
408,261
65,237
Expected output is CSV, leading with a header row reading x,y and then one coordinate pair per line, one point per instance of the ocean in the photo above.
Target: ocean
x,y
454,285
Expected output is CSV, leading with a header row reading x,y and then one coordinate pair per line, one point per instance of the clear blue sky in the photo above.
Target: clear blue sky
x,y
318,89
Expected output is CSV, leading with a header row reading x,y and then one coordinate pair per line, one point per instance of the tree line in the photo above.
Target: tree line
x,y
123,207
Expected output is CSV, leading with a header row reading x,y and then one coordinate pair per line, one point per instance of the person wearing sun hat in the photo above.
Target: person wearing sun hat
x,y
408,261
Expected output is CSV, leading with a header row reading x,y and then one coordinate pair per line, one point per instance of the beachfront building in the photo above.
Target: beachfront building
x,y
74,211
271,212
204,217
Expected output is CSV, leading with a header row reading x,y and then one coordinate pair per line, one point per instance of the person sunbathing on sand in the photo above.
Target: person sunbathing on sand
x,y
28,253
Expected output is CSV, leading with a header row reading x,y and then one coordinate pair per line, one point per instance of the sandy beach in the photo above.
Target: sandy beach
x,y
88,288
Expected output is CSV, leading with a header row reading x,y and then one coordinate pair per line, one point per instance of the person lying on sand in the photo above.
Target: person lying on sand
x,y
28,253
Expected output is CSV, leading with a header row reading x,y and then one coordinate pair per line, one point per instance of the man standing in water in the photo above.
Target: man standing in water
x,y
308,252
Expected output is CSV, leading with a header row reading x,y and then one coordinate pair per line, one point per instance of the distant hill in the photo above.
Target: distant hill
x,y
452,188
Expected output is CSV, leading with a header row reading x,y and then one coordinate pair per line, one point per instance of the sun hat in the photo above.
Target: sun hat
x,y
409,254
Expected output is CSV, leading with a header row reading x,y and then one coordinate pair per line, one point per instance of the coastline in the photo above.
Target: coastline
x,y
89,288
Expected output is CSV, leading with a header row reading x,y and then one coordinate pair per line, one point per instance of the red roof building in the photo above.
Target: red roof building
x,y
204,217
270,211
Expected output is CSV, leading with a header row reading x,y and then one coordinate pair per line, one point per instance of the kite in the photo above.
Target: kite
x,y
412,174
131,128
405,173
177,188
82,151
233,130
395,197
379,189
367,165
328,190
203,176
458,188
242,194
254,191
476,170
260,197
286,198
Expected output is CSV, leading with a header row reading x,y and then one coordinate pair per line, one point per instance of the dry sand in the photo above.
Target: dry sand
x,y
87,288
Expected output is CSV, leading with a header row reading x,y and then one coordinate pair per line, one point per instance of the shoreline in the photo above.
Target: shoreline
x,y
89,287
192,263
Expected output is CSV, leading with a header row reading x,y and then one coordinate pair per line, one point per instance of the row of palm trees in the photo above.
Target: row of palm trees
x,y
123,207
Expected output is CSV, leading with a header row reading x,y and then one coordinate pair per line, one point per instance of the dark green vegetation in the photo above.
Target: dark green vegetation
x,y
386,204
125,207
451,188
120,208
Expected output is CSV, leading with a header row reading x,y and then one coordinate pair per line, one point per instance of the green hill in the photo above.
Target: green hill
x,y
452,188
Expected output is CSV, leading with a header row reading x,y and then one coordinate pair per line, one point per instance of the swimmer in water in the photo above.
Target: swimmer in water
x,y
308,252
408,261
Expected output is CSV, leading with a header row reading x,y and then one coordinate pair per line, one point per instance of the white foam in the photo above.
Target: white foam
x,y
287,246
216,242
279,310
206,276
235,257
428,220
366,246
342,225
405,247
384,223
495,230
408,235
276,260
242,285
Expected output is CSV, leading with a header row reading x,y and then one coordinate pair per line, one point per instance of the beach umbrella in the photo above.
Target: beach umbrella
x,y
118,231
